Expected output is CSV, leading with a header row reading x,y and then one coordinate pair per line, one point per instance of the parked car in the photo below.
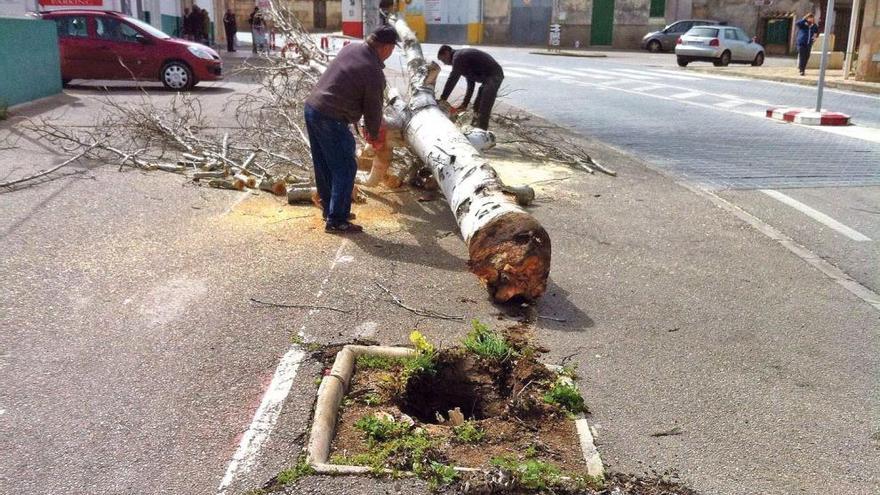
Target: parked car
x,y
720,45
664,40
109,45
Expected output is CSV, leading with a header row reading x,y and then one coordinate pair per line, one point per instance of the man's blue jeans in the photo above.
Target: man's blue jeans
x,y
335,164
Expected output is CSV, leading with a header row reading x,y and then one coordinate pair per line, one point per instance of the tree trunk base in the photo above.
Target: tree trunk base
x,y
511,257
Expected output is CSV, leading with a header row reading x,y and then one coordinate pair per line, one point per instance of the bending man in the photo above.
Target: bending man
x,y
353,86
477,67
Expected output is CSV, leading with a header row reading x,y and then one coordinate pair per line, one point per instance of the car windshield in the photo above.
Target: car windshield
x,y
703,32
143,26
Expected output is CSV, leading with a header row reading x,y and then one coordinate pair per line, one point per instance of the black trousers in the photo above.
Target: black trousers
x,y
803,57
485,101
230,40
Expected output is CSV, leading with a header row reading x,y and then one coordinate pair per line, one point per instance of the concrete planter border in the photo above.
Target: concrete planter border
x,y
335,385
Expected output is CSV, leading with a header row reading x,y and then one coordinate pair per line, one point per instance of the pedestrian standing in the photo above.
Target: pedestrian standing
x,y
352,86
206,27
385,7
807,34
186,28
195,24
477,67
230,25
257,25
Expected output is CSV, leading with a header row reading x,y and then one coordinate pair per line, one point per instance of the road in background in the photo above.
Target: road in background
x,y
711,131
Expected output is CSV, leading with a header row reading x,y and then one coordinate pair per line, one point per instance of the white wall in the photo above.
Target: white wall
x,y
17,8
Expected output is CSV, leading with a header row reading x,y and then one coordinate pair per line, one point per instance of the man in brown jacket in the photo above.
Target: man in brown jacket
x,y
352,87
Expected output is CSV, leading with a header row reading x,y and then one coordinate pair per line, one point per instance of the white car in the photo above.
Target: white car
x,y
720,45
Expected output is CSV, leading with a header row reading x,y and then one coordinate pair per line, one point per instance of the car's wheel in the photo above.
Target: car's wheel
x,y
177,76
682,62
724,61
759,59
654,46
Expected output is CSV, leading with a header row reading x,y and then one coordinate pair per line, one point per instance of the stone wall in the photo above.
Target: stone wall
x,y
869,48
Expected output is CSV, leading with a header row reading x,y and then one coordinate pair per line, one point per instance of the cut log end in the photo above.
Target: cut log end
x,y
511,256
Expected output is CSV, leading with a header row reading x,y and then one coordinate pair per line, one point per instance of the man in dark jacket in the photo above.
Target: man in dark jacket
x,y
230,25
806,35
477,67
352,86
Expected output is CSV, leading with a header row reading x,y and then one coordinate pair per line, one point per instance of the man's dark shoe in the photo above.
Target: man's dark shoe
x,y
351,216
343,228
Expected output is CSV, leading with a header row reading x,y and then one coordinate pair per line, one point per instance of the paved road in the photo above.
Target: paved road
x,y
133,362
711,131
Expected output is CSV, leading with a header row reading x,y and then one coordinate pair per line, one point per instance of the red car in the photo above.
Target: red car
x,y
109,45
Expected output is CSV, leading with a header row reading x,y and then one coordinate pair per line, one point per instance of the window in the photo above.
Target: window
x,y
703,32
729,34
71,26
112,29
658,8
742,36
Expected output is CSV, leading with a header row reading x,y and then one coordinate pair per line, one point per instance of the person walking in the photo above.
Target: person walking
x,y
352,86
257,26
477,67
230,25
806,35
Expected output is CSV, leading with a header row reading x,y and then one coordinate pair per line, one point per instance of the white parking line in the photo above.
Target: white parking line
x,y
265,417
273,400
816,215
686,95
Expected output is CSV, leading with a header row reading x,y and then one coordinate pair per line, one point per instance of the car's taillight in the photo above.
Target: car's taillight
x,y
678,41
714,42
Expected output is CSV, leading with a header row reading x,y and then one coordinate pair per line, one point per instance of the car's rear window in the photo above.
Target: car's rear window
x,y
703,32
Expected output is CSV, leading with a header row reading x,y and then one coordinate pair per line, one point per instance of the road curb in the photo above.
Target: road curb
x,y
808,117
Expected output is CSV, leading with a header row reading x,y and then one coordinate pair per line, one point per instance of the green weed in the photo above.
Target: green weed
x,y
381,429
531,473
372,399
4,109
468,432
291,475
566,396
439,475
487,344
420,364
371,362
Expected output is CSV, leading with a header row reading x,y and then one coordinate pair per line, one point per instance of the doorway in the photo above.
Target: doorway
x,y
530,21
320,14
602,29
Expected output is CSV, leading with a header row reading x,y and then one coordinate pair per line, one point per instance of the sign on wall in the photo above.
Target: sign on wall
x,y
433,11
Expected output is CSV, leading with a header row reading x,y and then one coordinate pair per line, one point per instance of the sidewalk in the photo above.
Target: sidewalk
x,y
833,78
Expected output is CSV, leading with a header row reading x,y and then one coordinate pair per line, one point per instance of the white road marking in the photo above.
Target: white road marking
x,y
651,87
273,400
831,271
265,417
730,103
816,215
532,72
512,75
640,77
657,74
565,72
686,95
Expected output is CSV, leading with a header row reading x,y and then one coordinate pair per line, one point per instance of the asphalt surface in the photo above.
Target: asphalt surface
x,y
133,361
711,131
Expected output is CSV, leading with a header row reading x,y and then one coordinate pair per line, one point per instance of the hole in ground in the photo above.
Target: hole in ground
x,y
460,382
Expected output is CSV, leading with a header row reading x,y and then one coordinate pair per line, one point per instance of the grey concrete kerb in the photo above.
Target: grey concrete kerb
x,y
335,385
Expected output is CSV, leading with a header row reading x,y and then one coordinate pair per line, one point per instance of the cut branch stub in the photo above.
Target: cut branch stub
x,y
509,250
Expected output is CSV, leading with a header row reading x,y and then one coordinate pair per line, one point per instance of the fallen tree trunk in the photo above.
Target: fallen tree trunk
x,y
509,250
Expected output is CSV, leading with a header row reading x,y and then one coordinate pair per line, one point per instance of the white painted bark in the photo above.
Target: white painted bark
x,y
509,250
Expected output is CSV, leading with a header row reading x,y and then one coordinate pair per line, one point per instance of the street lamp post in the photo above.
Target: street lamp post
x,y
829,20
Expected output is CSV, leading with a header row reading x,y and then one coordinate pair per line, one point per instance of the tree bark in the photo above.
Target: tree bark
x,y
509,250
